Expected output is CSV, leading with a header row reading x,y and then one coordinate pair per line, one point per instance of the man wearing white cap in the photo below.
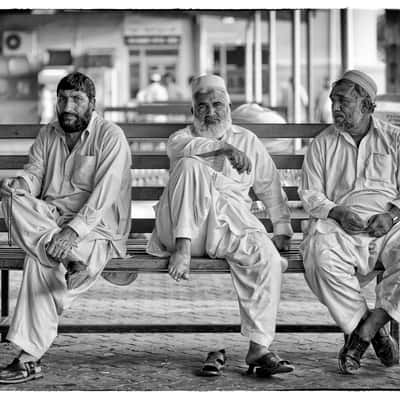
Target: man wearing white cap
x,y
350,188
205,210
153,92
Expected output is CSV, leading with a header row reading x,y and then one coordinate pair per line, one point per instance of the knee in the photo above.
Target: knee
x,y
189,164
320,260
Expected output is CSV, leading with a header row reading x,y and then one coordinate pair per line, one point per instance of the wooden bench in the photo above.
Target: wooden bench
x,y
11,258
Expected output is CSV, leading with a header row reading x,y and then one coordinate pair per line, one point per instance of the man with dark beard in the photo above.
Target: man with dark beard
x,y
350,188
70,211
205,210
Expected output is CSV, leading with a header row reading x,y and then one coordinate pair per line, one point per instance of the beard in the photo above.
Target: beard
x,y
343,123
212,128
71,122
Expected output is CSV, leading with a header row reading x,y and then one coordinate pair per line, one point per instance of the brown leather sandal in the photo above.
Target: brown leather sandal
x,y
214,363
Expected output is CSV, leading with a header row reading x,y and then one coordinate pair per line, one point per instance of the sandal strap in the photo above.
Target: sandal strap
x,y
214,357
271,360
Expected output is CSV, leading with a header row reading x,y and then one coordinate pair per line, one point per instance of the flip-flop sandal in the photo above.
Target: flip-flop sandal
x,y
214,363
270,364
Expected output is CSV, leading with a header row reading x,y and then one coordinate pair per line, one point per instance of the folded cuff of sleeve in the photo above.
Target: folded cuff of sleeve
x,y
395,202
29,181
79,226
324,210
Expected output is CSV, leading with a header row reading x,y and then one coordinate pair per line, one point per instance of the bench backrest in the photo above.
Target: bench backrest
x,y
182,108
159,160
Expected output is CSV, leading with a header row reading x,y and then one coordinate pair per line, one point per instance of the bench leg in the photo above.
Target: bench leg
x,y
5,301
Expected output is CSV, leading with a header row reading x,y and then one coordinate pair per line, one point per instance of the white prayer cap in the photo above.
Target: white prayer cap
x,y
362,79
205,82
156,77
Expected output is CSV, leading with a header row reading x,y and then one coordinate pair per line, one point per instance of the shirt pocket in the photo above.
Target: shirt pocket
x,y
84,171
379,168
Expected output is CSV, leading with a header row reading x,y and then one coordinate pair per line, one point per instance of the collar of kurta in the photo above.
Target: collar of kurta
x,y
85,133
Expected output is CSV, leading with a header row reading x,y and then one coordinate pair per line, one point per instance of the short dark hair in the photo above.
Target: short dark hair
x,y
77,81
360,91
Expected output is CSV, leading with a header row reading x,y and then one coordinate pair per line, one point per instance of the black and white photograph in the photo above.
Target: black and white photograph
x,y
216,211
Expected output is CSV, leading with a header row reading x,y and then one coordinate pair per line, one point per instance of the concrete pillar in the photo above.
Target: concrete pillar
x,y
257,57
272,60
310,75
346,28
296,65
249,63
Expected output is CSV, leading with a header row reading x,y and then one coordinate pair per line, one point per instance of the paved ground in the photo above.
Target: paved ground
x,y
148,362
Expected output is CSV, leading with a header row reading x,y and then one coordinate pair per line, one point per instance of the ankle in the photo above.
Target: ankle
x,y
183,245
26,357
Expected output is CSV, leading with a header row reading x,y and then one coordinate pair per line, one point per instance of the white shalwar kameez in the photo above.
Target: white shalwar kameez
x,y
208,201
87,189
366,179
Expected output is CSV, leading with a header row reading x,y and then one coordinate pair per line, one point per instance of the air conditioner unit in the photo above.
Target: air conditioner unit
x,y
18,43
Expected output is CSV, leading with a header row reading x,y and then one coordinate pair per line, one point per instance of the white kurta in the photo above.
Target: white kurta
x,y
88,189
208,201
366,179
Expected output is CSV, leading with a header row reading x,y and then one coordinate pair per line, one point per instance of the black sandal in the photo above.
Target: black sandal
x,y
349,357
214,363
270,364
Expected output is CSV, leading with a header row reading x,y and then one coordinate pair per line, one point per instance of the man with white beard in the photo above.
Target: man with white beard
x,y
205,210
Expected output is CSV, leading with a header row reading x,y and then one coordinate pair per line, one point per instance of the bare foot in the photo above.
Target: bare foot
x,y
179,262
255,352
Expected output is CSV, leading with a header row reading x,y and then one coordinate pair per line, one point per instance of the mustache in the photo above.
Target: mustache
x,y
66,114
211,119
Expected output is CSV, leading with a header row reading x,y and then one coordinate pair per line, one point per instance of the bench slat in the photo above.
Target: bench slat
x,y
146,225
181,328
146,193
155,161
163,130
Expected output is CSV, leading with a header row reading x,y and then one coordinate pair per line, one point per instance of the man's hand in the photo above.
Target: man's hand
x,y
62,243
281,242
347,219
237,158
12,186
379,224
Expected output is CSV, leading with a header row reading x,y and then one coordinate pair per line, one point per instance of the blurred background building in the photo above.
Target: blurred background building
x,y
278,58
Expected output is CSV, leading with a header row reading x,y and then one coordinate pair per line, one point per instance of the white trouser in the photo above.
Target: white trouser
x,y
195,206
43,294
338,264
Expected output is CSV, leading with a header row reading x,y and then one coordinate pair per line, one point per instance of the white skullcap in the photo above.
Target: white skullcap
x,y
203,83
362,79
156,77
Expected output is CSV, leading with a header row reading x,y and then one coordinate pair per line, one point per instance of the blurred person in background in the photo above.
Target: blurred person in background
x,y
205,210
174,92
286,100
323,111
256,114
155,91
350,188
70,213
